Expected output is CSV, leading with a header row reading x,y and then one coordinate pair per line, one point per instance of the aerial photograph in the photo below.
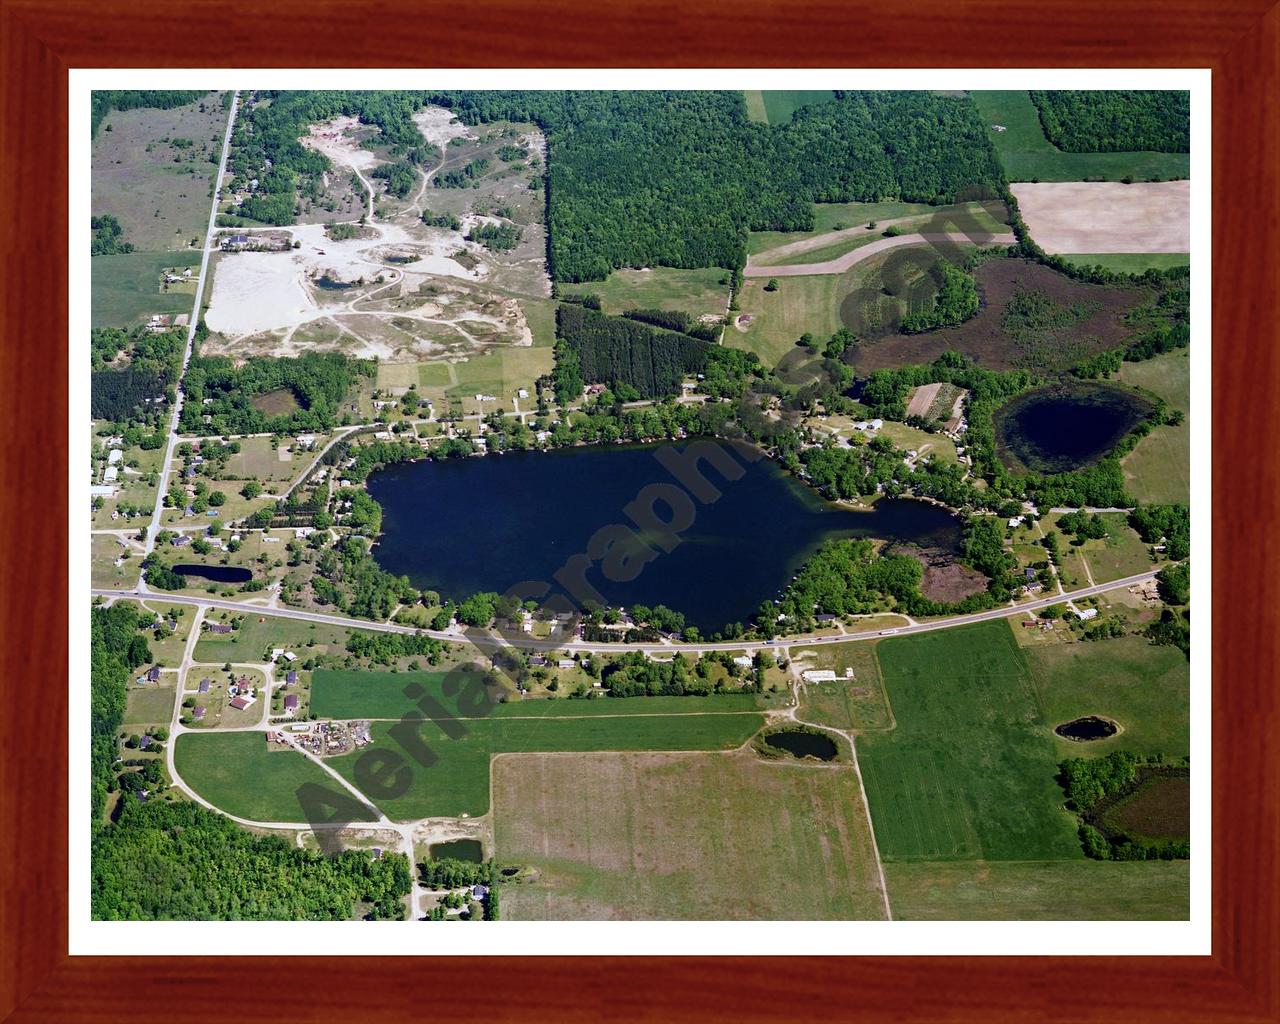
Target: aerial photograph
x,y
639,505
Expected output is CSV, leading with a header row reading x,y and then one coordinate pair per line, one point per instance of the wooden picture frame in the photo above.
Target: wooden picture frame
x,y
41,39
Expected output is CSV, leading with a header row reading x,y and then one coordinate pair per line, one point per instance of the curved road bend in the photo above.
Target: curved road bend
x,y
661,648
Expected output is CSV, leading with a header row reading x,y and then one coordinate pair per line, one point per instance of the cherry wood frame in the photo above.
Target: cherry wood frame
x,y
40,39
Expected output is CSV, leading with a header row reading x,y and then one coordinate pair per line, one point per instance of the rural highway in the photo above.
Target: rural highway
x,y
660,648
174,416
849,259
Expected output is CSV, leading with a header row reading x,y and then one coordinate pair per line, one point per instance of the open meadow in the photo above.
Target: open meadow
x,y
126,289
1028,156
775,106
701,292
1142,688
687,836
152,171
1159,467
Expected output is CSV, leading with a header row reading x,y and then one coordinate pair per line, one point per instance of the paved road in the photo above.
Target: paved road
x,y
156,515
660,648
849,259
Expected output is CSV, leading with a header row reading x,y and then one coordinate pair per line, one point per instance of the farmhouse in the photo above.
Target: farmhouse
x,y
204,685
291,703
742,661
219,627
291,678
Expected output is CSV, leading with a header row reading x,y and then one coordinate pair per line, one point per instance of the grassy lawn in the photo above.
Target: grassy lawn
x,y
780,104
800,305
126,289
458,781
1159,468
255,639
1131,262
858,703
499,373
1145,689
968,772
1027,155
342,693
104,550
969,217
676,836
1040,890
937,446
149,705
237,773
1121,553
695,292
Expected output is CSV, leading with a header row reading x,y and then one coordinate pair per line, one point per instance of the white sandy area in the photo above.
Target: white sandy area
x,y
1107,216
439,125
330,138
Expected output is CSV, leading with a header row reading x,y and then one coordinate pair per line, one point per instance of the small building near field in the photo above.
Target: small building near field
x,y
1086,613
818,675
566,663
204,685
291,703
290,678
742,661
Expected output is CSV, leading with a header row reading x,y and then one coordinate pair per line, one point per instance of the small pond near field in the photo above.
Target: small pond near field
x,y
465,526
458,849
216,573
1066,427
803,744
1088,728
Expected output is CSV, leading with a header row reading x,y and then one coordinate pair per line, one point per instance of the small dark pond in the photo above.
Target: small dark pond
x,y
803,744
459,849
1066,427
217,573
1089,728
330,285
464,526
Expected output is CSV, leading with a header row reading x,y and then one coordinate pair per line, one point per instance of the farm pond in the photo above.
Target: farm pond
x,y
216,573
740,526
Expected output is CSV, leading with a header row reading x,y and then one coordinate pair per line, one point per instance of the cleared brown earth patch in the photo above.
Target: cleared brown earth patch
x,y
683,836
1160,808
1107,216
275,403
945,579
985,340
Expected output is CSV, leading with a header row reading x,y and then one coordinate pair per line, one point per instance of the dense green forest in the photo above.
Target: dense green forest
x,y
635,360
151,363
108,237
638,178
103,101
1106,121
317,382
178,861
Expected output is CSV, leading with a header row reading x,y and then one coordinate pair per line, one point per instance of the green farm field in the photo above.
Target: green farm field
x,y
1146,689
1028,156
696,292
126,289
968,771
341,693
1159,468
458,781
1131,262
237,773
1078,890
851,704
683,836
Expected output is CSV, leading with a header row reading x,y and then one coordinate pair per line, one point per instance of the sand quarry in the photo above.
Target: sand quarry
x,y
261,299
1107,216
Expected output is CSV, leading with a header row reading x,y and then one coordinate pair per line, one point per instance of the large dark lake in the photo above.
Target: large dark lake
x,y
470,525
1065,427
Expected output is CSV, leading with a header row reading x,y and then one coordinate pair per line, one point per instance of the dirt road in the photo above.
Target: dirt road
x,y
849,259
